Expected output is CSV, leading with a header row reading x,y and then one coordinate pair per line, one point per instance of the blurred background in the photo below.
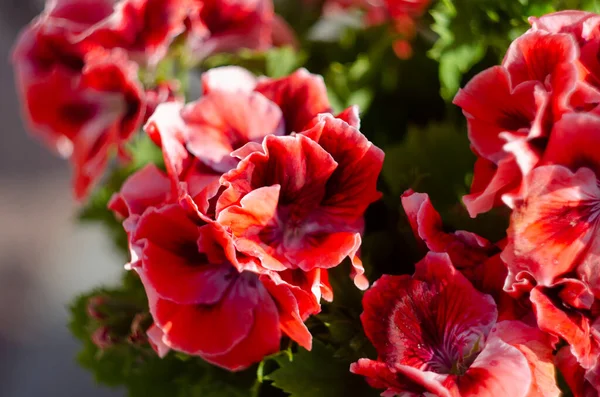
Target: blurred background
x,y
46,258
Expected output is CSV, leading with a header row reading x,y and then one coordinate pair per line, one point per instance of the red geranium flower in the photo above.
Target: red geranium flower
x,y
200,140
298,202
228,25
435,333
81,103
554,244
79,89
510,109
476,258
206,300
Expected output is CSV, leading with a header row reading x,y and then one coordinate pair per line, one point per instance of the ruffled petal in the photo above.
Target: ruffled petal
x,y
537,347
490,183
148,187
301,96
221,122
554,224
492,106
499,370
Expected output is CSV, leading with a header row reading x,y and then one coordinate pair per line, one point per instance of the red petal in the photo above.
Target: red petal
x,y
554,224
227,26
291,319
400,379
378,374
536,55
351,116
537,347
301,96
567,324
353,185
168,130
499,370
221,122
492,106
245,221
238,331
570,21
465,249
573,373
148,187
574,142
228,78
209,329
490,184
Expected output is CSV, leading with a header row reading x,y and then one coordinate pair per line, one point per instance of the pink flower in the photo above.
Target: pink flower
x,y
434,333
554,246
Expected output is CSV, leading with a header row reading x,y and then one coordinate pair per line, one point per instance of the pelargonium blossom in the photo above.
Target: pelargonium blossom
x,y
78,85
435,334
510,108
206,299
200,140
297,202
228,25
475,257
554,244
77,68
82,104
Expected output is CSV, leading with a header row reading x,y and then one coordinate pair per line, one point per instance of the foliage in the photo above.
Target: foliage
x,y
473,32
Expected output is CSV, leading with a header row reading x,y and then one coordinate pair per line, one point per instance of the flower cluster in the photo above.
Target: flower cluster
x,y
77,67
263,188
450,329
403,15
485,319
264,191
535,125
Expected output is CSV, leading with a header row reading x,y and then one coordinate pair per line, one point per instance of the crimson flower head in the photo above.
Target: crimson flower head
x,y
247,219
475,257
82,104
200,140
77,82
554,245
510,109
229,25
435,334
298,201
206,299
77,63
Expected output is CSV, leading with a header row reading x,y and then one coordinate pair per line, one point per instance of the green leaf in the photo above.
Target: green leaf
x,y
136,367
318,374
282,61
454,63
437,160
